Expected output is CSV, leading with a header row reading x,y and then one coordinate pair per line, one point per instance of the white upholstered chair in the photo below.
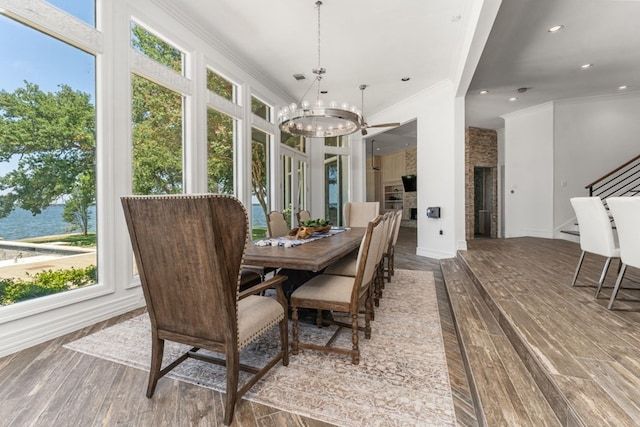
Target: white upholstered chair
x,y
596,234
276,224
626,214
303,215
358,214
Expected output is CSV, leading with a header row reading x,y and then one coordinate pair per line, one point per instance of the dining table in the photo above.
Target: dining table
x,y
312,256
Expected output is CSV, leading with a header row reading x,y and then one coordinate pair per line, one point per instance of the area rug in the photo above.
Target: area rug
x,y
402,378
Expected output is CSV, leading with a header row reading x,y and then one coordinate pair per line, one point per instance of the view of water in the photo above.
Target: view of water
x,y
21,224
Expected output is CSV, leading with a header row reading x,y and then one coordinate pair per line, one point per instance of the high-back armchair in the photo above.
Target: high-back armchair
x,y
358,214
189,250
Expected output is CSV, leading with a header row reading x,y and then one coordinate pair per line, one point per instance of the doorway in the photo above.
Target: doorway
x,y
483,200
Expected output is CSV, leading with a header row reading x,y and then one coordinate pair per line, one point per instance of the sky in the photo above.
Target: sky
x,y
27,54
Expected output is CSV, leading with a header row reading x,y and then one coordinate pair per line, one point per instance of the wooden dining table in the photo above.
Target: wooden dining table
x,y
312,256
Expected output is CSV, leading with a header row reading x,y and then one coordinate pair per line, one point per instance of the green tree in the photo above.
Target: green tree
x,y
76,209
51,137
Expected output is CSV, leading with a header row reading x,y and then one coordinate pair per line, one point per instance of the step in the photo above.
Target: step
x,y
503,390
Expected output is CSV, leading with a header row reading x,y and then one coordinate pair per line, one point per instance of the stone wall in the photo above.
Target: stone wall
x,y
410,199
481,150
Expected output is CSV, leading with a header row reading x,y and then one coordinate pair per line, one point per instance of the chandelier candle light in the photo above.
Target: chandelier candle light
x,y
318,120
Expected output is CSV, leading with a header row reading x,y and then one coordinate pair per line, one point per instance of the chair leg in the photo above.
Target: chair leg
x,y
392,260
294,319
284,339
157,350
233,368
603,275
368,311
616,288
575,276
355,352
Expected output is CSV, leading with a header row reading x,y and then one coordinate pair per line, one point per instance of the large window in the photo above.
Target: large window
x,y
157,138
221,86
336,169
155,48
47,163
294,141
260,109
260,165
220,143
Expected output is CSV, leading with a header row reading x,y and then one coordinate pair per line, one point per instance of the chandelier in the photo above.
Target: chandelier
x,y
317,119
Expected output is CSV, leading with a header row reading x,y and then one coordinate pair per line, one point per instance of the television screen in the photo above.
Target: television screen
x,y
409,183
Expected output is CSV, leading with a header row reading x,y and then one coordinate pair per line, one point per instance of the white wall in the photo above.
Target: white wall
x,y
437,112
529,172
592,137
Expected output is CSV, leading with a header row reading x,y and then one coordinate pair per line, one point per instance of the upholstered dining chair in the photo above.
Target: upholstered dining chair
x,y
303,215
341,294
348,266
358,214
596,234
389,254
189,249
626,214
276,224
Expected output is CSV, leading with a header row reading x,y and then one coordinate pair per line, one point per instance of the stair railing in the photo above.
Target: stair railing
x,y
622,181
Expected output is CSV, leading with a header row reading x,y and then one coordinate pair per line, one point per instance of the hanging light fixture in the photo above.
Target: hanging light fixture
x,y
318,120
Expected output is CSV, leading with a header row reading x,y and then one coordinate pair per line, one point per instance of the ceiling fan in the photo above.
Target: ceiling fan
x,y
365,125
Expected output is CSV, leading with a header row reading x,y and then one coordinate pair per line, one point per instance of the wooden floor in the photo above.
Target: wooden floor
x,y
577,364
49,385
523,348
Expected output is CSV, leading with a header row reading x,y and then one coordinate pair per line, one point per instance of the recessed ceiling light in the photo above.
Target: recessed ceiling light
x,y
405,79
324,92
623,87
513,98
586,66
299,76
556,28
484,92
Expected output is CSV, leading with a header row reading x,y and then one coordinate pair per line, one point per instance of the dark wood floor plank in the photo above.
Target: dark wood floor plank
x,y
506,393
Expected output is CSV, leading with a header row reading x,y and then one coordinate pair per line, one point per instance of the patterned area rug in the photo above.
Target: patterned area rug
x,y
402,379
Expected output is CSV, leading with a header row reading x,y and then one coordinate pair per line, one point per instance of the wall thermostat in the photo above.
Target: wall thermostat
x,y
433,212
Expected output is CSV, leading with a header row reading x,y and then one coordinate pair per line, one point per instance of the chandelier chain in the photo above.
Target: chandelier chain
x,y
318,4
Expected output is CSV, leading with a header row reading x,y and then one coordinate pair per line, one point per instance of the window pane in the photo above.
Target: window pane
x,y
223,87
259,182
220,139
157,138
155,48
336,141
260,109
287,190
47,165
302,185
293,141
336,170
84,10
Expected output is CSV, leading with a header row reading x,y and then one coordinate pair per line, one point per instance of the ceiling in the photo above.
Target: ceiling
x,y
378,42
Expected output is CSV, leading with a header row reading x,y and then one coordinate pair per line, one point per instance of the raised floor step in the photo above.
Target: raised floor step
x,y
504,392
